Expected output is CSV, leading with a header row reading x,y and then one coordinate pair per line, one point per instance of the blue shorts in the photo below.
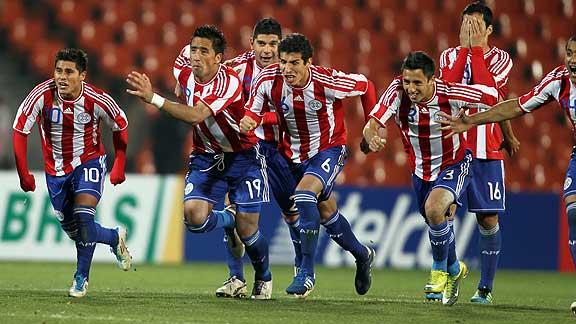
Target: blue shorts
x,y
86,178
326,165
569,185
487,192
280,179
454,179
241,174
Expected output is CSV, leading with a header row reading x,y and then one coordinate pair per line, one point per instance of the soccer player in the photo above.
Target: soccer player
x,y
222,159
440,166
486,193
68,111
307,99
557,85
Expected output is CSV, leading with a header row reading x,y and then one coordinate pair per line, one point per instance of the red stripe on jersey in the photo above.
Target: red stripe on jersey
x,y
269,134
403,113
67,137
447,143
322,116
229,132
424,143
88,131
47,147
206,132
300,118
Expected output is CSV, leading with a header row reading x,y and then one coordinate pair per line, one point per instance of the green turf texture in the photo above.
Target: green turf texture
x,y
37,293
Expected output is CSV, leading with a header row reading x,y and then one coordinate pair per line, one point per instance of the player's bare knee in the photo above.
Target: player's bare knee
x,y
435,212
487,221
193,215
246,224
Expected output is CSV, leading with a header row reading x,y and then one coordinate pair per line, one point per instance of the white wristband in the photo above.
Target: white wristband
x,y
158,101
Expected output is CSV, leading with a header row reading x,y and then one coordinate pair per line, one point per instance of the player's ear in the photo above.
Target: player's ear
x,y
489,30
219,57
82,75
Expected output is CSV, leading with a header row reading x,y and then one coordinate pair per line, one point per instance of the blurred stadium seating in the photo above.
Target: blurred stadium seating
x,y
369,36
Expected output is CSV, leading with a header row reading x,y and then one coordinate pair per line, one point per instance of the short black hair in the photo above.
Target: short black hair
x,y
296,43
75,55
267,26
481,8
214,34
571,39
419,60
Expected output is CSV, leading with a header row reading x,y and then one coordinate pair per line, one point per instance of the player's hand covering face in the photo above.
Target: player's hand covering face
x,y
418,87
265,47
68,79
294,69
570,61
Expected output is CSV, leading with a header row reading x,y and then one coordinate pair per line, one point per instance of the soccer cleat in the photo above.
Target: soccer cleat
x,y
482,296
262,290
79,286
363,279
452,289
302,285
436,284
233,287
231,237
123,257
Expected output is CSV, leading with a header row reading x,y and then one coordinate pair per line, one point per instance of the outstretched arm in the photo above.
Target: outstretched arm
x,y
505,110
143,90
20,144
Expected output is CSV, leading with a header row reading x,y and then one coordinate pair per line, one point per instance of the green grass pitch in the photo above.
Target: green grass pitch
x,y
36,293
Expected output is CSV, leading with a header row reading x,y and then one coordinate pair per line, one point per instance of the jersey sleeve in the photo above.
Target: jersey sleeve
x,y
546,91
388,103
472,96
111,113
182,61
30,108
258,98
346,84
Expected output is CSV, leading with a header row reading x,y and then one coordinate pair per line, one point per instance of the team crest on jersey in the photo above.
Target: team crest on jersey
x,y
437,116
315,104
189,188
83,118
567,183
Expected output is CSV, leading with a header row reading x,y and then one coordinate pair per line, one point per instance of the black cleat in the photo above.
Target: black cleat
x,y
363,279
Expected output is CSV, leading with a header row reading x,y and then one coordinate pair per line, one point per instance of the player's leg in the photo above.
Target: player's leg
x,y
88,182
570,201
486,197
340,231
249,189
235,285
451,183
205,185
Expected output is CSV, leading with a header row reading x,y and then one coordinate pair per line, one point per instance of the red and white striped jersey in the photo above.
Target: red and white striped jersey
x,y
556,85
429,152
484,140
311,117
69,129
248,69
223,95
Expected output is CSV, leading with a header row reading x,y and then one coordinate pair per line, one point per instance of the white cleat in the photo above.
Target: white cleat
x,y
123,257
79,287
233,287
262,290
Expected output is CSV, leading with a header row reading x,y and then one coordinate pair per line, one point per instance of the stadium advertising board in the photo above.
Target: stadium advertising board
x,y
388,220
29,230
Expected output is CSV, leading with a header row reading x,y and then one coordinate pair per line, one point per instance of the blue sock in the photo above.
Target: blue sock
x,y
106,235
235,265
216,219
490,243
257,250
439,236
571,213
294,229
452,261
340,231
309,227
87,238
